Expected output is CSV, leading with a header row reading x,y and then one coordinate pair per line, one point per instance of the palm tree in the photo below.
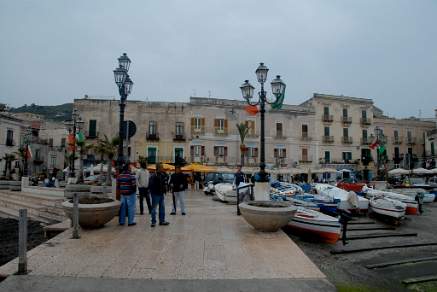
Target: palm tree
x,y
84,149
101,150
111,147
243,130
8,158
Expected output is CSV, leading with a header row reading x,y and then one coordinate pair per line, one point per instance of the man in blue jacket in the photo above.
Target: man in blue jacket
x,y
158,188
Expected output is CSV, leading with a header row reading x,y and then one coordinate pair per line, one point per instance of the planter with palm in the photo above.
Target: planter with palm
x,y
243,130
110,147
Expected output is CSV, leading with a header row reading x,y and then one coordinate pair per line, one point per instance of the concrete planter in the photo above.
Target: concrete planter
x,y
93,215
267,216
15,185
82,190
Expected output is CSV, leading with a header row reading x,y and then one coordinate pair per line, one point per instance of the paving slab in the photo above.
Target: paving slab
x,y
210,242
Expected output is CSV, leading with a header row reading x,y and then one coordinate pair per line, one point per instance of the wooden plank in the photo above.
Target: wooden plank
x,y
420,279
400,262
377,235
353,250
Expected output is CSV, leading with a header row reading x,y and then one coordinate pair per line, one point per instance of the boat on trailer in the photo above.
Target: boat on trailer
x,y
315,224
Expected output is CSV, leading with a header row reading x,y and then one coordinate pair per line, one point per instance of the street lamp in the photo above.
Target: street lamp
x,y
278,90
125,85
75,124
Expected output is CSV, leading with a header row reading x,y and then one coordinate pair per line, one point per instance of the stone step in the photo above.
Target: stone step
x,y
12,213
31,198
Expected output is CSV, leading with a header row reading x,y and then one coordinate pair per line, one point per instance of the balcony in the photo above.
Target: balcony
x,y
280,136
89,135
327,118
220,160
305,137
252,135
152,136
10,142
179,138
346,120
197,131
220,132
365,121
411,140
282,161
346,140
397,140
328,139
305,161
365,141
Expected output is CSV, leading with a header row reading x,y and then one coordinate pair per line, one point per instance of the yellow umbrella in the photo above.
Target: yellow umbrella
x,y
198,168
165,167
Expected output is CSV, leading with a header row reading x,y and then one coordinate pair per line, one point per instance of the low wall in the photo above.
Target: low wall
x,y
25,187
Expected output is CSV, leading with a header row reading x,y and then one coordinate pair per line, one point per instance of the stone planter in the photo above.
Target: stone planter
x,y
267,216
15,185
93,215
101,191
83,190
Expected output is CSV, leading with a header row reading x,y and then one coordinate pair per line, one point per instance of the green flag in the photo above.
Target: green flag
x,y
279,102
80,137
381,149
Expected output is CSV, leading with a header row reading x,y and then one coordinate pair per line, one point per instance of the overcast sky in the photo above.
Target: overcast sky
x,y
54,51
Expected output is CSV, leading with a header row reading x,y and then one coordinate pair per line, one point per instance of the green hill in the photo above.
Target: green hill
x,y
51,112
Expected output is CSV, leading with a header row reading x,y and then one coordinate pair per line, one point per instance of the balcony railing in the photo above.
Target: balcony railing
x,y
303,161
305,137
328,139
89,135
365,141
252,135
397,140
197,131
152,136
346,120
10,142
327,118
411,140
220,132
346,140
365,121
280,136
179,137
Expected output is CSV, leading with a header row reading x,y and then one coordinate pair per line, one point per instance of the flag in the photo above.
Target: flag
x,y
71,140
374,144
80,137
279,102
381,149
28,153
252,110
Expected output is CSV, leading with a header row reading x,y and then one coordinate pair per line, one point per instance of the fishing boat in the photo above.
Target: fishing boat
x,y
387,207
227,193
346,200
296,202
412,192
412,206
309,222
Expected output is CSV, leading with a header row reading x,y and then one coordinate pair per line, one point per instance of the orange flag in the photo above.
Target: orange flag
x,y
251,109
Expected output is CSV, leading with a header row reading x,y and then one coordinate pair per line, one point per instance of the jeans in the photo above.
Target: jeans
x,y
179,200
158,200
144,193
128,201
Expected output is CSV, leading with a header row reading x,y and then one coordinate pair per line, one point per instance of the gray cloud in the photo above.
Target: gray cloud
x,y
53,51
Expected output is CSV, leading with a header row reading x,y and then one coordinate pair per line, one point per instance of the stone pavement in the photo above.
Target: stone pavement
x,y
211,242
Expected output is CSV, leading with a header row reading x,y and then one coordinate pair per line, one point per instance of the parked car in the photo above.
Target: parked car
x,y
350,184
214,178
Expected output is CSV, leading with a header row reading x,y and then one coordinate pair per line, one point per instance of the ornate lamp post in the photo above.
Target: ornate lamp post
x,y
124,84
247,90
75,124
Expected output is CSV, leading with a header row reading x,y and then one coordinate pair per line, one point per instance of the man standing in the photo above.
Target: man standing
x,y
157,188
178,182
128,188
239,178
143,187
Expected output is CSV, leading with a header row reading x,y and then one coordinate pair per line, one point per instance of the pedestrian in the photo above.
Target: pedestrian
x,y
345,217
158,188
127,186
178,183
143,187
239,177
196,181
419,200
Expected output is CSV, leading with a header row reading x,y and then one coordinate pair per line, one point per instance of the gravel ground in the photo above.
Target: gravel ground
x,y
9,238
348,271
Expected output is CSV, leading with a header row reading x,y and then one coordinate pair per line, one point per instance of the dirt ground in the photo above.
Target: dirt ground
x,y
348,271
9,238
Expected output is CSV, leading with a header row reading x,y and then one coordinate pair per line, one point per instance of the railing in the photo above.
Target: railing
x,y
280,137
346,140
365,141
327,118
411,140
328,139
305,138
252,135
346,120
303,161
220,132
365,121
179,137
152,136
197,131
397,140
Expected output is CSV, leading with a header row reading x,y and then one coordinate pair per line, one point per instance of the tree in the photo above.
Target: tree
x,y
84,149
243,130
101,150
110,148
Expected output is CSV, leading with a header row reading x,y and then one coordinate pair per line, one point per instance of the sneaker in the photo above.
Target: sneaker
x,y
173,213
152,225
164,223
183,214
132,224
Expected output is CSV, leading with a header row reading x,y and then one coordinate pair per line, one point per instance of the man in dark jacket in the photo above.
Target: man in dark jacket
x,y
178,183
157,188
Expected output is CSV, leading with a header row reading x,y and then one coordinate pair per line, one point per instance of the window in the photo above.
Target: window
x,y
278,129
63,140
197,150
345,113
279,153
252,152
345,132
178,154
151,154
92,130
396,151
220,125
37,154
220,151
326,111
432,149
179,128
304,130
197,124
347,156
326,131
51,142
52,161
409,136
152,127
251,125
304,154
327,157
364,132
396,134
10,138
364,114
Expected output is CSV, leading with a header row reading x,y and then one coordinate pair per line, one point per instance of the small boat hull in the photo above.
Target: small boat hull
x,y
411,209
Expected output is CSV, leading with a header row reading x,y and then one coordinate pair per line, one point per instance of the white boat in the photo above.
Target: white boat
x,y
226,192
388,207
324,227
412,205
412,192
347,200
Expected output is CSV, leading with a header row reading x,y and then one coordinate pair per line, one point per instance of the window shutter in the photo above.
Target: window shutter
x,y
202,122
275,153
225,151
255,152
216,123
226,124
193,122
202,150
215,151
192,150
284,153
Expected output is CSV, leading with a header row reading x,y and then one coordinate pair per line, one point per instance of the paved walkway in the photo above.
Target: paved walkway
x,y
211,242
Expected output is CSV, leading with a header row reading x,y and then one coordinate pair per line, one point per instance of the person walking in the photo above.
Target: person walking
x,y
239,178
158,188
127,186
143,187
178,183
196,181
345,217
